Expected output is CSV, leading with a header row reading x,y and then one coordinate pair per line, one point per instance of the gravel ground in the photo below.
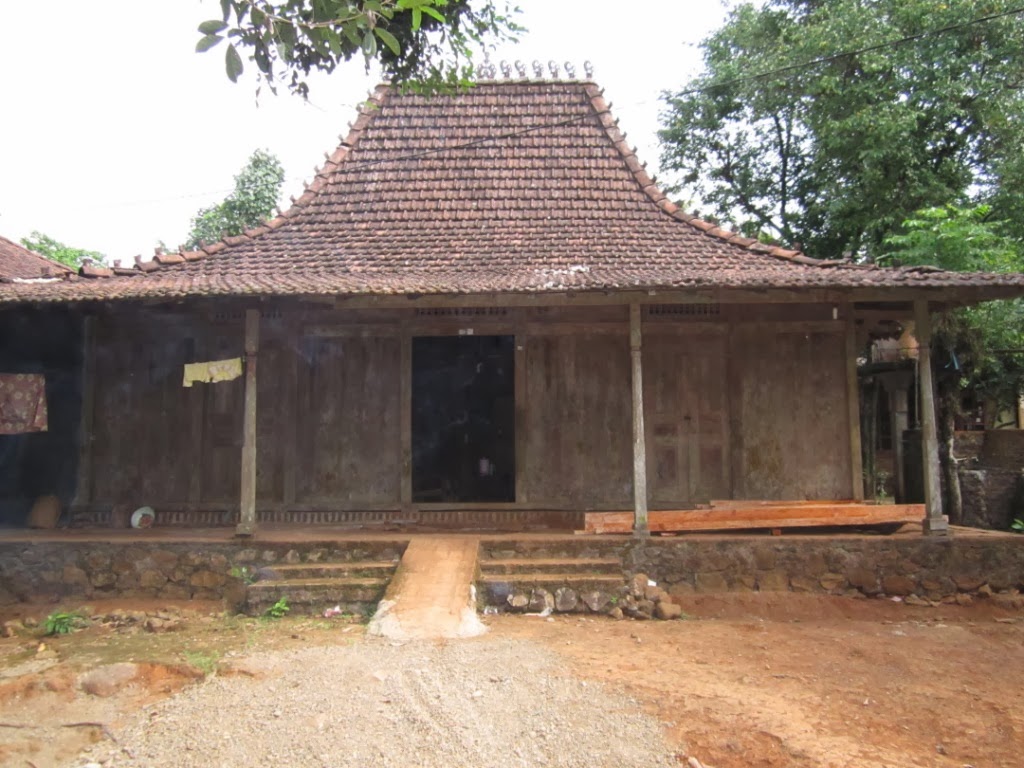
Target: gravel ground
x,y
485,703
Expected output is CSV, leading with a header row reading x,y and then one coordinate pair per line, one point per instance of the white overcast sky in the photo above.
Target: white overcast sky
x,y
113,131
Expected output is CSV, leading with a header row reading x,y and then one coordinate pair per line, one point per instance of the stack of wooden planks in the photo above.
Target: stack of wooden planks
x,y
745,514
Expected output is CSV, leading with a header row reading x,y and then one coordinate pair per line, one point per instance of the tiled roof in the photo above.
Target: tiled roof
x,y
18,262
514,186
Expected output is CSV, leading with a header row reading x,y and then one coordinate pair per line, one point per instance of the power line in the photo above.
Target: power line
x,y
844,54
791,68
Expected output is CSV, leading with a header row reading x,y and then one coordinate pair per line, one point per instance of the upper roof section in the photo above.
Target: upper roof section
x,y
511,186
19,263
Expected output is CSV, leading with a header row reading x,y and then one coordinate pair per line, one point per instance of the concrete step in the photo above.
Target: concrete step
x,y
314,595
611,566
357,569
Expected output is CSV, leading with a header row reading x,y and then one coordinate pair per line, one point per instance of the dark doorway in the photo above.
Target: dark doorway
x,y
463,419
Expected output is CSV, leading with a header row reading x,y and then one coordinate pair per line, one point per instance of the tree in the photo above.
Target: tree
x,y
430,41
257,188
981,348
57,251
828,124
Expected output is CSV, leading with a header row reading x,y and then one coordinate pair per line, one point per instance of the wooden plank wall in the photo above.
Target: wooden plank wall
x,y
578,440
735,409
348,420
687,417
789,390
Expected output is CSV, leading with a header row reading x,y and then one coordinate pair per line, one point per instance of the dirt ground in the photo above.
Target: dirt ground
x,y
751,680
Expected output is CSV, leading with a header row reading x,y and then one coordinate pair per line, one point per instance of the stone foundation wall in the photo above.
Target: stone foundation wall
x,y
50,571
933,569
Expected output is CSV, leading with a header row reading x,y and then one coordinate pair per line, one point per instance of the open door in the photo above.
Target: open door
x,y
463,419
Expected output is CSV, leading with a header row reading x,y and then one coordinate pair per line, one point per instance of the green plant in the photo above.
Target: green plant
x,y
1017,525
278,610
62,622
243,572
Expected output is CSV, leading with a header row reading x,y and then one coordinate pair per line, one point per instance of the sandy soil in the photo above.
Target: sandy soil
x,y
763,680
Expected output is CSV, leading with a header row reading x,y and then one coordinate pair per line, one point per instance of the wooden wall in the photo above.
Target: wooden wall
x,y
738,404
789,394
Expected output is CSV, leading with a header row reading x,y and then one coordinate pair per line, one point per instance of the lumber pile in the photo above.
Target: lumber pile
x,y
758,514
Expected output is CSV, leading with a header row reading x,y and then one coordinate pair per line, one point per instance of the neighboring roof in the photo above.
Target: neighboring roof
x,y
512,186
19,263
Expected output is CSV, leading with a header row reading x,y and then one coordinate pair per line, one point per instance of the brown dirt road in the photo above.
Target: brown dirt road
x,y
751,680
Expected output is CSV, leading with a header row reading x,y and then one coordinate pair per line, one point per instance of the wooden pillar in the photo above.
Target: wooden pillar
x,y
896,384
520,384
898,408
640,527
247,516
853,409
83,484
405,419
934,522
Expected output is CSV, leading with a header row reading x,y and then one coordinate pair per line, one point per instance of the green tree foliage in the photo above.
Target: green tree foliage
x,y
57,251
979,348
829,123
257,188
429,41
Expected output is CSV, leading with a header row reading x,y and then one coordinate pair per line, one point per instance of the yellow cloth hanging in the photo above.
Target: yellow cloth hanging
x,y
212,371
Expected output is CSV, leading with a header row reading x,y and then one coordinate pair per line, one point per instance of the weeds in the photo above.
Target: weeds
x,y
278,610
63,623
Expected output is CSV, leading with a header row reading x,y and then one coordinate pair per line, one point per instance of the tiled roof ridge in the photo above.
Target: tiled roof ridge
x,y
371,106
659,198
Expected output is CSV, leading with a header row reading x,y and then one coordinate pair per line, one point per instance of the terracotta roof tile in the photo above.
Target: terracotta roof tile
x,y
18,262
514,186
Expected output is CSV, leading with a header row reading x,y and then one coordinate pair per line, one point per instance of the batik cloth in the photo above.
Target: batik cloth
x,y
22,403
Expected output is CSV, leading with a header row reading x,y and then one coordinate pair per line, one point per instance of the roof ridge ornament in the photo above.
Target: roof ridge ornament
x,y
520,68
506,70
553,69
570,70
538,70
487,70
588,69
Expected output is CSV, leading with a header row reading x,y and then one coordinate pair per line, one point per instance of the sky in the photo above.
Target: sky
x,y
114,132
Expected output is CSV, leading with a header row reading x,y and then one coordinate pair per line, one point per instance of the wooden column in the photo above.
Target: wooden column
x,y
291,360
405,418
853,409
934,522
247,516
639,445
896,384
83,484
519,395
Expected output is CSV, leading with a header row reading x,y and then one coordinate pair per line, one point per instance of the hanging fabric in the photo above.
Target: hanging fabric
x,y
22,403
212,371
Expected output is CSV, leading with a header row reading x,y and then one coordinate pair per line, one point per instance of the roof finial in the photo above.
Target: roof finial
x,y
487,68
588,68
553,69
570,70
506,69
538,69
520,68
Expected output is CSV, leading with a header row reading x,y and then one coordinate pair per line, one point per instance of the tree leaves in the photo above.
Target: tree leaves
x,y
288,39
257,187
890,118
233,63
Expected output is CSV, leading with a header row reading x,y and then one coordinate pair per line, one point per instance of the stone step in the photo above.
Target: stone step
x,y
495,588
314,595
357,569
553,565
